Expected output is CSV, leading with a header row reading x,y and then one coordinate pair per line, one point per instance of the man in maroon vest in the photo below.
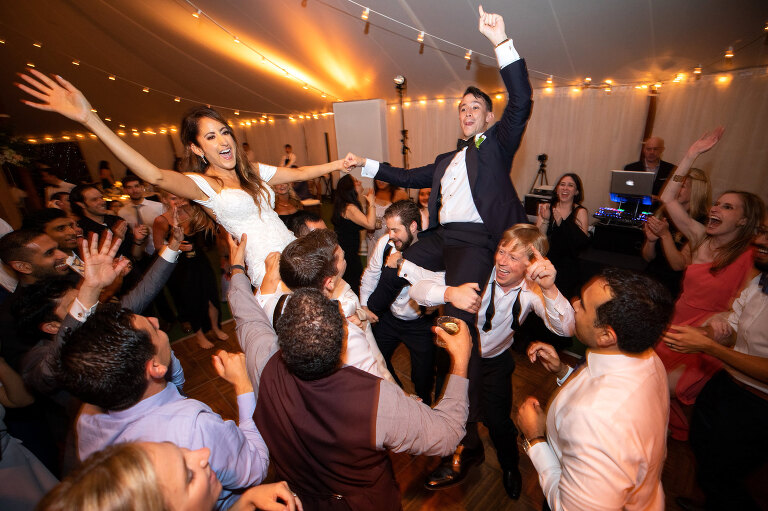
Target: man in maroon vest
x,y
328,427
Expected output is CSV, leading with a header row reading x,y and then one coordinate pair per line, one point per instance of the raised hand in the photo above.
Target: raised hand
x,y
492,27
707,141
237,249
547,355
459,345
351,161
544,211
177,234
99,267
58,96
231,367
542,271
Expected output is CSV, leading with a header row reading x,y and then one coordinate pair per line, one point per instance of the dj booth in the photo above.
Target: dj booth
x,y
617,237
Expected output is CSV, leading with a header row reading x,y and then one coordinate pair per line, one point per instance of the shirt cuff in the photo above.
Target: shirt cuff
x,y
169,254
558,304
246,405
560,381
370,168
506,54
80,312
408,271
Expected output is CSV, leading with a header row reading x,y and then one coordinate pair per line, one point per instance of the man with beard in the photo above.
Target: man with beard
x,y
729,417
404,321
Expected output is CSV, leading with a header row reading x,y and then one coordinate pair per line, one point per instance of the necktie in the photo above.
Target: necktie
x,y
491,310
461,143
763,282
139,220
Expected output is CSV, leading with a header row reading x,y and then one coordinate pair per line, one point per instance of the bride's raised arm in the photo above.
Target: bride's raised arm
x,y
289,175
62,97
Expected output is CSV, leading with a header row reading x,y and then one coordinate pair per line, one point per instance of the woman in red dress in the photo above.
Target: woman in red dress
x,y
719,257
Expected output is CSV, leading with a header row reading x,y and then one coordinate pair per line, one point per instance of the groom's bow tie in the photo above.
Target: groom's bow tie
x,y
461,143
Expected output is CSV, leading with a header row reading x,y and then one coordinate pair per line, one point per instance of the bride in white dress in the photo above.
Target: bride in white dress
x,y
231,190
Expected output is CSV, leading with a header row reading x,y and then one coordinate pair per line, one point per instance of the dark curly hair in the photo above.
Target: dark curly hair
x,y
639,310
310,334
103,362
37,305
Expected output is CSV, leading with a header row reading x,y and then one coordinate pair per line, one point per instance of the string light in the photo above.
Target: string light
x,y
729,52
549,80
420,37
468,55
37,45
112,77
237,112
177,99
30,64
196,14
76,62
237,40
108,119
145,89
366,13
697,70
2,41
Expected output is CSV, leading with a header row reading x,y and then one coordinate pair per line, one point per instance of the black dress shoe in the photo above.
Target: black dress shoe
x,y
454,468
513,482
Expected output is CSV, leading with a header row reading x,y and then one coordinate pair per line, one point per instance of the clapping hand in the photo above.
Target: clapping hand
x,y
492,27
56,96
544,211
658,226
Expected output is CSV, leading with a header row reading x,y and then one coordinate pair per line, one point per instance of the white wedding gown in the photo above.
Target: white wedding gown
x,y
236,212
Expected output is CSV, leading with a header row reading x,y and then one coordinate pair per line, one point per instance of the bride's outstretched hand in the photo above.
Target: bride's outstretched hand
x,y
55,96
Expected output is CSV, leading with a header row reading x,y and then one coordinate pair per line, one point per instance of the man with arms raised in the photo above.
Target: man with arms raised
x,y
329,425
472,200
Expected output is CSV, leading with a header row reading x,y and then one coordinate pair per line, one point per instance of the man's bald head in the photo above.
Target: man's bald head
x,y
653,148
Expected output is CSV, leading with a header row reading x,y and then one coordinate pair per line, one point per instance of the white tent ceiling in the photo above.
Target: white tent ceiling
x,y
159,44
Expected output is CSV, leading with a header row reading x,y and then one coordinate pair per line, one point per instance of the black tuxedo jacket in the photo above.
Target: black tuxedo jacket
x,y
488,167
665,168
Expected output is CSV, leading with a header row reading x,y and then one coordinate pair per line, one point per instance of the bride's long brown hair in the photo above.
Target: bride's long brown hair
x,y
248,177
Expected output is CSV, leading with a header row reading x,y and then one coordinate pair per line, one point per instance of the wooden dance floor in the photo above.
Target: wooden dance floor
x,y
482,490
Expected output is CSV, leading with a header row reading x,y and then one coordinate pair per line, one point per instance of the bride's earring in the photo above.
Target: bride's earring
x,y
202,157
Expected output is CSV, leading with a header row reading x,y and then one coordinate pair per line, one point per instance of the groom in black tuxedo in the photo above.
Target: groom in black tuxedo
x,y
472,202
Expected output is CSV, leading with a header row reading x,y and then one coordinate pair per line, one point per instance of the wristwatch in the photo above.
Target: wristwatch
x,y
527,444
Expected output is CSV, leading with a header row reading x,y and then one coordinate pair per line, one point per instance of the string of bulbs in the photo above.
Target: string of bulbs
x,y
587,83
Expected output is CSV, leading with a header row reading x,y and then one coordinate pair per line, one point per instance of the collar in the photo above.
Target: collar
x,y
145,407
602,363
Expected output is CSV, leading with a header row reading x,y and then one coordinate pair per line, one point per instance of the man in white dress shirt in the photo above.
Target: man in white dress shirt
x,y
405,320
317,261
522,281
601,445
729,418
139,211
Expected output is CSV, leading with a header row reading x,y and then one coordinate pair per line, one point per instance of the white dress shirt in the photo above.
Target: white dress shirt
x,y
149,210
557,313
457,204
606,436
403,307
749,319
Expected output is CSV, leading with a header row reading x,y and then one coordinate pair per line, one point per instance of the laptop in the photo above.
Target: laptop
x,y
630,183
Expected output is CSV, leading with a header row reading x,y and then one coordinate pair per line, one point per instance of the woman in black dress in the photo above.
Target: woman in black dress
x,y
348,220
193,283
565,222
